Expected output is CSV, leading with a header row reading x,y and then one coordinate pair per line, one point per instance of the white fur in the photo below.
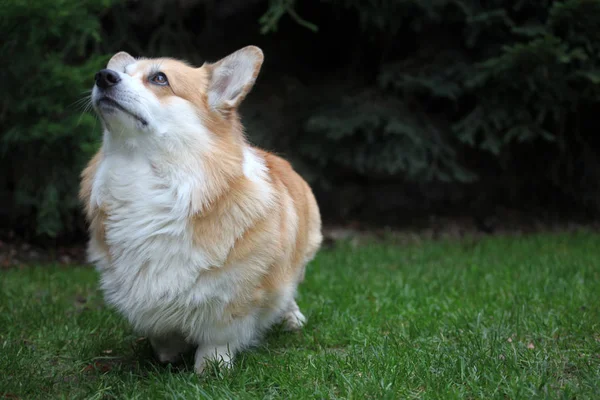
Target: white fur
x,y
147,179
294,319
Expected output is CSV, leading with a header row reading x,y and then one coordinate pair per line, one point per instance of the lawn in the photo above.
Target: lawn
x,y
490,318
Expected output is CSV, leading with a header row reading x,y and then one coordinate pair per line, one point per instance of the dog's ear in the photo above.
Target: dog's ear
x,y
119,61
233,77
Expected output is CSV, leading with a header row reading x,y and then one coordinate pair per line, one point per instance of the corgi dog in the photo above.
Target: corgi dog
x,y
200,238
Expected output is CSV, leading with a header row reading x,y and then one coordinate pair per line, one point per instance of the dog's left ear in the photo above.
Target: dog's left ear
x,y
119,61
232,78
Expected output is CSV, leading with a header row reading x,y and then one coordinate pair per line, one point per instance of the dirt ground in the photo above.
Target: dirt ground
x,y
15,251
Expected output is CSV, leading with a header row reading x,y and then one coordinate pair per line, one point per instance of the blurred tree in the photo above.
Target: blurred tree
x,y
51,51
459,83
496,99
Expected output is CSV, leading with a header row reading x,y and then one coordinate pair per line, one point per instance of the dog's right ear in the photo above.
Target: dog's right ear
x,y
119,61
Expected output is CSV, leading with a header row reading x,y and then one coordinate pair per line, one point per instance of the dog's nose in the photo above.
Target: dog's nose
x,y
106,78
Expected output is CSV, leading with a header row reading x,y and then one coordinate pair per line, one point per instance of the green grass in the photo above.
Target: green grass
x,y
496,318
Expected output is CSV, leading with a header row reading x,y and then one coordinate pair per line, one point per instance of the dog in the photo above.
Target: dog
x,y
200,238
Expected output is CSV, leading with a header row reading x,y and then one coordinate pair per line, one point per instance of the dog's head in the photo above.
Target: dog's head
x,y
163,96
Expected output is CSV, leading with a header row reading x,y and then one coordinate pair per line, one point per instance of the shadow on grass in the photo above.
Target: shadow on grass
x,y
138,357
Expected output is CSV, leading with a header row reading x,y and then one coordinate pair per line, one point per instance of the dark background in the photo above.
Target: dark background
x,y
397,112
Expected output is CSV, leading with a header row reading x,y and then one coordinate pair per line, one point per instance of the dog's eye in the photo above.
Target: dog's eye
x,y
159,79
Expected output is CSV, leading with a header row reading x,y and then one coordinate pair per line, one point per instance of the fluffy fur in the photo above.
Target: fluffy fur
x,y
201,239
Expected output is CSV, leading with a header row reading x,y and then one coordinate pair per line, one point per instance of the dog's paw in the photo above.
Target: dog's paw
x,y
293,320
166,357
205,358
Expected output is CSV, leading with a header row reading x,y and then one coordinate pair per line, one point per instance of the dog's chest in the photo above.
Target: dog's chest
x,y
153,260
143,209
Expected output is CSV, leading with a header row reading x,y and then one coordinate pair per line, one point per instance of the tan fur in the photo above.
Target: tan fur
x,y
95,215
85,188
270,246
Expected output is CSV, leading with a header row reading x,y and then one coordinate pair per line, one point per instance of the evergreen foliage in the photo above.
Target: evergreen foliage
x,y
454,91
484,76
51,50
